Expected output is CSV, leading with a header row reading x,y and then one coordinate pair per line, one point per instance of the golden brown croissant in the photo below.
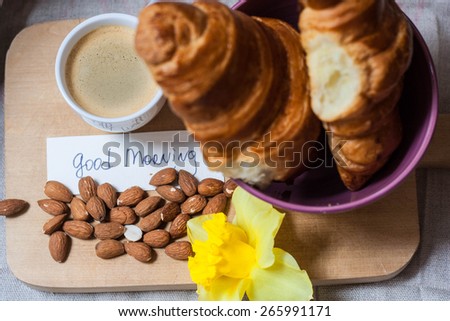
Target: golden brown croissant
x,y
357,54
240,84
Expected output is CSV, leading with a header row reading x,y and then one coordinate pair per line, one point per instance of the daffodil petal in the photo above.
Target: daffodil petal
x,y
223,289
260,221
195,228
283,281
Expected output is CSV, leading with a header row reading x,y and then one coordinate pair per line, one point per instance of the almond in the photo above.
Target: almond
x,y
164,177
123,215
59,245
132,233
53,207
108,249
170,211
178,228
78,210
210,187
57,191
108,194
96,208
228,187
151,221
179,250
171,193
131,196
139,250
110,230
193,204
12,206
157,238
87,188
216,204
54,224
78,229
187,182
147,205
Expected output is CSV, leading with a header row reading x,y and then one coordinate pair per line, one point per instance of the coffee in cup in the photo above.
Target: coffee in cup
x,y
102,78
105,76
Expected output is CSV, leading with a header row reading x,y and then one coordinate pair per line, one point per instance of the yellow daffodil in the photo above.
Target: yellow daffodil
x,y
238,258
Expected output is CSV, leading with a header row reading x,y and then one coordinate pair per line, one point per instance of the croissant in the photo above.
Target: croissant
x,y
357,53
239,83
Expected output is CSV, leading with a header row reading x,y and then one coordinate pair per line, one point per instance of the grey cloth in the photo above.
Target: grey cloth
x,y
425,278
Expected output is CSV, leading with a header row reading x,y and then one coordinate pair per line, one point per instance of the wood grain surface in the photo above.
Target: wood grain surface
x,y
371,244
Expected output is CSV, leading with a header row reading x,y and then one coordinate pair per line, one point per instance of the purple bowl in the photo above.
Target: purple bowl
x,y
321,190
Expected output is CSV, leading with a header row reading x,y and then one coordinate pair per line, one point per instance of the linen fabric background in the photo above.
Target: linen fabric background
x,y
425,278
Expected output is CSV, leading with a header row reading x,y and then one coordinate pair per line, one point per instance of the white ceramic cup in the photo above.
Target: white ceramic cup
x,y
118,124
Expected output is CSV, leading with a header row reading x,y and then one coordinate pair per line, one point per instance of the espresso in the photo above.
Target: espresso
x,y
105,76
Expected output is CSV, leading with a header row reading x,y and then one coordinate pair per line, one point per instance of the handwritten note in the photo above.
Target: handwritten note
x,y
123,160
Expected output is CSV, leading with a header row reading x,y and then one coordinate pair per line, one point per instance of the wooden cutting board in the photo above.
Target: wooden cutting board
x,y
371,244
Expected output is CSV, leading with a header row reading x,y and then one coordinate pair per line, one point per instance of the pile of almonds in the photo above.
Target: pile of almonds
x,y
134,221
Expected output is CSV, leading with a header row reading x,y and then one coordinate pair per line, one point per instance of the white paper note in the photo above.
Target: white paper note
x,y
123,160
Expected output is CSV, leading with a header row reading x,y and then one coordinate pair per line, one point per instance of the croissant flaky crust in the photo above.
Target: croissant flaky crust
x,y
357,54
240,84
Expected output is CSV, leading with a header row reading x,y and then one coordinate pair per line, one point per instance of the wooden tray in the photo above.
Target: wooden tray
x,y
371,244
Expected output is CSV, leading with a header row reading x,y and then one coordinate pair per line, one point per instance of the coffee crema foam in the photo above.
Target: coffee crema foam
x,y
106,77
